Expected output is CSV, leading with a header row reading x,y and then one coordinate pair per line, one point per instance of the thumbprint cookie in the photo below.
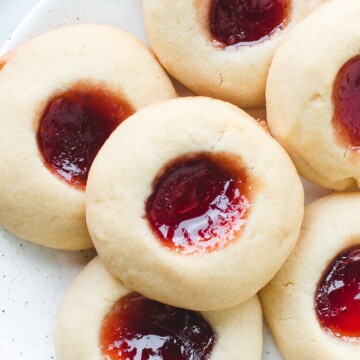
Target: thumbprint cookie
x,y
313,95
102,319
61,95
222,48
192,203
313,304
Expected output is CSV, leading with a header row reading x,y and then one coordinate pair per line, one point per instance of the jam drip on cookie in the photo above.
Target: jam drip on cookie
x,y
346,99
74,126
337,298
243,21
199,203
138,328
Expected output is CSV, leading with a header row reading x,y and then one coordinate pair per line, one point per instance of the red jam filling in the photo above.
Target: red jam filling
x,y
244,21
198,204
74,126
346,99
137,328
337,298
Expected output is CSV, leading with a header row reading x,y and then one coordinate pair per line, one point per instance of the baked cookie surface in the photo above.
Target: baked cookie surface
x,y
83,320
186,37
193,246
57,73
312,304
311,95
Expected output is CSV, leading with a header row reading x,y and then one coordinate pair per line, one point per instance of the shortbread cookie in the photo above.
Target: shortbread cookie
x,y
100,318
222,48
313,95
61,95
312,305
192,203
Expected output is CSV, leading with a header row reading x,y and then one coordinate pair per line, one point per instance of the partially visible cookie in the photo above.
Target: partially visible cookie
x,y
100,318
61,95
313,95
222,49
188,200
312,305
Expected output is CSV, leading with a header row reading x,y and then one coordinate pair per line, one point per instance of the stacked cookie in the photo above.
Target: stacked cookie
x,y
173,206
52,129
312,305
222,48
194,199
318,123
193,207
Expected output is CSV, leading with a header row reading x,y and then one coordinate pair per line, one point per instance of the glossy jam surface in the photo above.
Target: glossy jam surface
x,y
137,328
337,298
198,204
74,126
244,21
346,99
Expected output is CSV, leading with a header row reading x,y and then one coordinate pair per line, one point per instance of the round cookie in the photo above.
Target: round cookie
x,y
293,302
56,73
304,95
216,254
82,317
186,43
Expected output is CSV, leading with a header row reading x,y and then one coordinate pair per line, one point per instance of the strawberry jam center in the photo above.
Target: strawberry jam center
x,y
243,21
199,203
137,328
338,296
74,126
346,99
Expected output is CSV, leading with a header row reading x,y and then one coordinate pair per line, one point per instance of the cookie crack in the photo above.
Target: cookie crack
x,y
219,138
192,138
221,79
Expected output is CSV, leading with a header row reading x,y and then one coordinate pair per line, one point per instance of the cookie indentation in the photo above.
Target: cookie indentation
x,y
245,21
74,126
337,298
140,328
346,99
199,203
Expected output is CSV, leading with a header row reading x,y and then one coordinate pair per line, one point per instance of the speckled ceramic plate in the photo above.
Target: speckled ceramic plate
x,y
33,279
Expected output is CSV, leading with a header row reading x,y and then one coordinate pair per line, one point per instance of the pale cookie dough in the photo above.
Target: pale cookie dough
x,y
330,227
179,35
238,330
34,203
299,93
120,182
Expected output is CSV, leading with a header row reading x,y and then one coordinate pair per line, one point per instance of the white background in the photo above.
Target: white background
x,y
11,13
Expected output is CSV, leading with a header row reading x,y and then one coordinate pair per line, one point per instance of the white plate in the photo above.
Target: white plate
x,y
33,279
